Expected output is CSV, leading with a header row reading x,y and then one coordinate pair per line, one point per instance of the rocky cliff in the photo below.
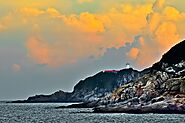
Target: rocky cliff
x,y
162,90
102,84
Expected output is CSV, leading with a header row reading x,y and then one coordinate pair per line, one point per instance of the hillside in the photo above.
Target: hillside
x,y
160,91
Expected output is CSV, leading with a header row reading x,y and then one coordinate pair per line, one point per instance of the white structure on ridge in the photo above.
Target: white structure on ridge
x,y
127,65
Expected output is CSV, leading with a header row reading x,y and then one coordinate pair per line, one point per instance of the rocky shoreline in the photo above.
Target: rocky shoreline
x,y
174,106
160,91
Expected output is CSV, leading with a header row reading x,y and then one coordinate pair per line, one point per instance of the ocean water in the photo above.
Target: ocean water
x,y
46,113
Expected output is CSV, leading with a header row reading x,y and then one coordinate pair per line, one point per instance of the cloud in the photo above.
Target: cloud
x,y
5,22
153,21
149,51
64,49
133,53
167,35
86,34
85,1
157,25
38,50
16,67
162,32
85,21
31,11
53,12
1,27
172,13
158,4
66,38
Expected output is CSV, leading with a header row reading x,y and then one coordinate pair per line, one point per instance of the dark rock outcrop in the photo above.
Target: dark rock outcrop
x,y
103,83
173,57
58,96
160,91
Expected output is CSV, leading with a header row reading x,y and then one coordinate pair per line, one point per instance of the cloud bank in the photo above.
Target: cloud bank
x,y
56,38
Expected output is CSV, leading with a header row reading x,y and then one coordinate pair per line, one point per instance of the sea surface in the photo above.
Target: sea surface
x,y
46,113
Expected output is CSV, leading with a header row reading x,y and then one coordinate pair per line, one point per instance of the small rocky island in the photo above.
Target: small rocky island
x,y
158,89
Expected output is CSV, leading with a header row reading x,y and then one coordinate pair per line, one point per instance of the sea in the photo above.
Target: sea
x,y
47,113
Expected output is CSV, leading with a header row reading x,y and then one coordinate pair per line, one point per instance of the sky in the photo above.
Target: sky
x,y
49,45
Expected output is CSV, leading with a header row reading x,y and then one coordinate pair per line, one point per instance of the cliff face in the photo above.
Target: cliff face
x,y
92,88
160,91
102,83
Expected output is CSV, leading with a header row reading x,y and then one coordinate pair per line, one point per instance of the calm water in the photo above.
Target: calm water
x,y
45,113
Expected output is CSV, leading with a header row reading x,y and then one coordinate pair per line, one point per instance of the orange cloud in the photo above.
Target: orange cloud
x,y
153,21
53,12
164,27
31,11
130,18
5,22
163,32
171,13
29,3
1,27
113,29
38,50
167,35
57,53
133,53
85,21
85,1
159,4
74,36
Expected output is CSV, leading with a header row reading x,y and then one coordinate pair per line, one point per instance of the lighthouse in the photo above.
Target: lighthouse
x,y
127,65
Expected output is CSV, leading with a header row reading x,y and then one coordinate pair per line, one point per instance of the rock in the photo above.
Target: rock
x,y
160,91
182,87
174,56
58,96
175,88
158,99
157,107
